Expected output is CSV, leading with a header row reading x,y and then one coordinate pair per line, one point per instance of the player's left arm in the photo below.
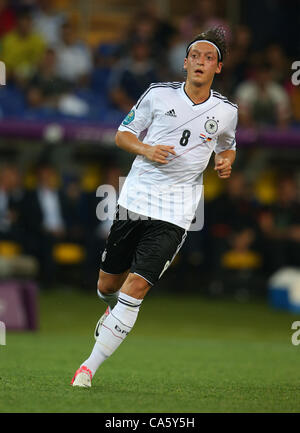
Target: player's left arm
x,y
225,149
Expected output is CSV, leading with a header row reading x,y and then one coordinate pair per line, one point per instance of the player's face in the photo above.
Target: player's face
x,y
202,64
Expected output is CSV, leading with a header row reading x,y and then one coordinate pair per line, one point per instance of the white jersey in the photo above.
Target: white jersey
x,y
171,192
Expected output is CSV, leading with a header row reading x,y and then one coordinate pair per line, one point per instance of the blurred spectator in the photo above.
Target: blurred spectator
x,y
241,272
45,87
236,67
148,26
76,209
98,230
242,254
278,62
48,22
74,60
105,59
164,30
131,76
22,49
43,219
203,17
273,21
231,216
45,204
143,29
294,94
176,55
262,101
280,226
7,18
233,245
153,50
11,196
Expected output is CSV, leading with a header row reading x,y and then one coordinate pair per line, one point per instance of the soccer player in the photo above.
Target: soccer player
x,y
186,122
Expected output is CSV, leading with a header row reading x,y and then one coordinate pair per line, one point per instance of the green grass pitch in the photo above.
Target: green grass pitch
x,y
187,354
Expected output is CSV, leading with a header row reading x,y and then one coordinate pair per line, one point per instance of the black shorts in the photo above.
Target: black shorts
x,y
145,246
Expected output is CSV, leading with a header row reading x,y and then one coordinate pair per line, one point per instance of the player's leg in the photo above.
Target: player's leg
x,y
108,288
154,253
118,255
118,322
116,259
135,286
115,325
114,329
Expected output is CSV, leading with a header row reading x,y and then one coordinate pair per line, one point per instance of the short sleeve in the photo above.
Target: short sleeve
x,y
140,116
226,140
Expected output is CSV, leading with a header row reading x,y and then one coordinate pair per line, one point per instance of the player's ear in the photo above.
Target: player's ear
x,y
219,68
185,63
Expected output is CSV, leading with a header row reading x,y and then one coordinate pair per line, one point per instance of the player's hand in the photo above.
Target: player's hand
x,y
159,153
223,167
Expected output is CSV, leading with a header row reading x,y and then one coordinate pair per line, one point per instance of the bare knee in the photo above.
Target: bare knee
x,y
105,288
136,286
110,283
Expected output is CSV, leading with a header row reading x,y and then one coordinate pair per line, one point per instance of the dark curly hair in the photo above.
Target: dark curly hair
x,y
217,36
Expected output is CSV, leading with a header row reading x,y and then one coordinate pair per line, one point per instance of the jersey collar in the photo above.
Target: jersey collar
x,y
190,102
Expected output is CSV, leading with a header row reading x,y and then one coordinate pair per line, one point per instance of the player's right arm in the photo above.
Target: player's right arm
x,y
130,143
139,119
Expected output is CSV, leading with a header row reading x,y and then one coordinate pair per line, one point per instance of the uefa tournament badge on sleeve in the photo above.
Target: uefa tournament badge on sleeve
x,y
2,74
129,118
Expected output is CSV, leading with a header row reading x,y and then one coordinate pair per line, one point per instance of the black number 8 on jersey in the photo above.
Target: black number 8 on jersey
x,y
185,137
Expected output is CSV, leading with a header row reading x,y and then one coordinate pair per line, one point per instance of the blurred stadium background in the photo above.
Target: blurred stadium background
x,y
74,69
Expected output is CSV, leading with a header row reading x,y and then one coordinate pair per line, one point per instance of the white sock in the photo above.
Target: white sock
x,y
110,299
95,359
114,330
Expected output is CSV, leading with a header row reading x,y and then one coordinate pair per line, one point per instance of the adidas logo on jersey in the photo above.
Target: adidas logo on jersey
x,y
171,113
